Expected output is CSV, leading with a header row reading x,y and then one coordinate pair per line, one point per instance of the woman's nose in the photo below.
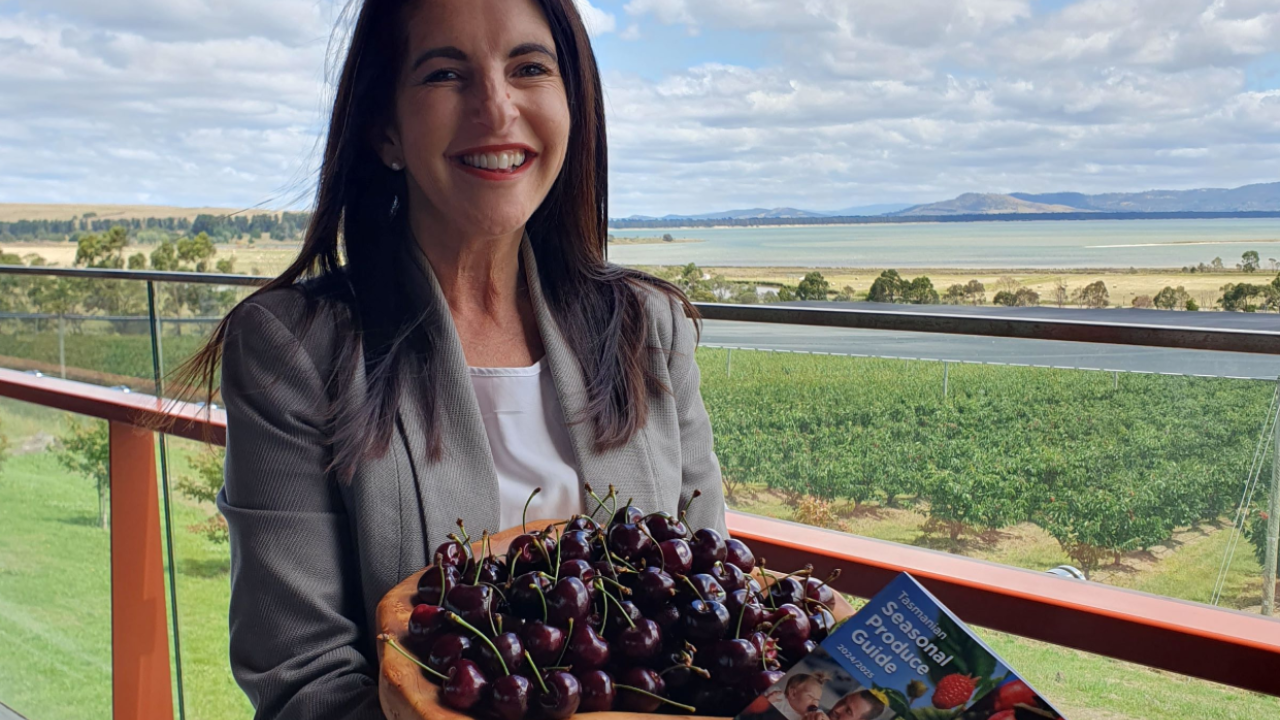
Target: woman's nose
x,y
494,107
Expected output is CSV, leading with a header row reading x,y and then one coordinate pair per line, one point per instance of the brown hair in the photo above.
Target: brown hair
x,y
597,306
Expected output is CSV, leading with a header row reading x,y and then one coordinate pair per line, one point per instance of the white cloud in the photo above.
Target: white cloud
x,y
597,21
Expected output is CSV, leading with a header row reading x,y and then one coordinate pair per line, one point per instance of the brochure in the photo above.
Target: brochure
x,y
903,656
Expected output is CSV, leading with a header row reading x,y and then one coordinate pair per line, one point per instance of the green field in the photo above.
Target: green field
x,y
869,446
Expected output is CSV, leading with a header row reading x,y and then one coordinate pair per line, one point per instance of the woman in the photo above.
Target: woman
x,y
474,345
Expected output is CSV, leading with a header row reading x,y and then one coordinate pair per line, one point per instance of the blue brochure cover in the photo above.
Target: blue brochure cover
x,y
903,656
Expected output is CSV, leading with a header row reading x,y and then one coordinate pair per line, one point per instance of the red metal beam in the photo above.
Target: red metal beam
x,y
1224,646
175,418
140,680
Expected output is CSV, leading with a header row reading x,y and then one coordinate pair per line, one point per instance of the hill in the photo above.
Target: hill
x,y
983,204
1261,197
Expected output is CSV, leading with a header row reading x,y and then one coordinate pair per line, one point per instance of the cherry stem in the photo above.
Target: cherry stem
x,y
537,674
830,578
696,494
442,588
466,539
599,502
558,556
466,547
621,588
768,588
538,589
701,672
525,512
396,646
741,614
662,557
455,618
495,589
621,609
628,565
806,571
567,637
608,556
604,617
682,706
692,587
484,540
820,603
791,618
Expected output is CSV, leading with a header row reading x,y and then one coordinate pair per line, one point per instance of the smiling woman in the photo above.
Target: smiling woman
x,y
449,337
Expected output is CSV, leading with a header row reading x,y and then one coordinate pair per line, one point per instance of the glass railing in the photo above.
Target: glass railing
x,y
1129,463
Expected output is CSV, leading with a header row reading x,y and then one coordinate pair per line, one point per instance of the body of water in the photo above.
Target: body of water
x,y
1024,244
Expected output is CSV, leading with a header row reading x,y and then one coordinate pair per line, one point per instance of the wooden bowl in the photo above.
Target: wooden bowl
x,y
407,695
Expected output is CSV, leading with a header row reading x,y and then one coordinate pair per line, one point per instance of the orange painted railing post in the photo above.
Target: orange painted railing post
x,y
140,680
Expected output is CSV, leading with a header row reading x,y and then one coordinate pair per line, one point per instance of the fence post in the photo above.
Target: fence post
x,y
1273,534
62,345
946,379
728,363
1116,384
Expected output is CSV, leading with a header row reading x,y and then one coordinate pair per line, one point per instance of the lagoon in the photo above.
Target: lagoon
x,y
998,244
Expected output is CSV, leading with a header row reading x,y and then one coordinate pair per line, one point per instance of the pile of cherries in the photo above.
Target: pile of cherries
x,y
636,614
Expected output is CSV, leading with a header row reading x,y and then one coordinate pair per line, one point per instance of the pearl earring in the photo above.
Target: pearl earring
x,y
396,166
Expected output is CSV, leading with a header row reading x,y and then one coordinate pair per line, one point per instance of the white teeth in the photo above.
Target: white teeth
x,y
509,160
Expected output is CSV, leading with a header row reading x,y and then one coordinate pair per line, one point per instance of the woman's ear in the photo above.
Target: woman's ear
x,y
386,142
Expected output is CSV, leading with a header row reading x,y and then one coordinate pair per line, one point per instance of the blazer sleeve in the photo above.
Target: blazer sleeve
x,y
296,615
699,464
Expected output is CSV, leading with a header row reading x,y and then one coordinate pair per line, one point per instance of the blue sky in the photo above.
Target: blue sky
x,y
713,104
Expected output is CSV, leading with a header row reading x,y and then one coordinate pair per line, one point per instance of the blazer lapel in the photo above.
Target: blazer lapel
x,y
598,469
462,483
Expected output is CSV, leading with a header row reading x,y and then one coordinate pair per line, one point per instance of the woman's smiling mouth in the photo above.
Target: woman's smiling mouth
x,y
496,162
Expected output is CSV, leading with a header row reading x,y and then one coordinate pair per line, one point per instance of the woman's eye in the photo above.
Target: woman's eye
x,y
441,76
533,70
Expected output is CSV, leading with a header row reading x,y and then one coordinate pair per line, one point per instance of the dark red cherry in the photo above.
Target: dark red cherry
x,y
729,576
737,553
667,616
618,618
705,620
791,654
511,650
529,552
425,623
815,589
665,526
820,624
435,583
451,553
731,660
677,558
465,687
575,545
752,614
447,650
761,680
567,599
628,541
562,697
587,650
472,603
544,642
766,646
704,587
598,692
582,522
652,587
708,549
791,625
492,571
641,641
526,595
644,679
787,591
627,515
580,569
509,697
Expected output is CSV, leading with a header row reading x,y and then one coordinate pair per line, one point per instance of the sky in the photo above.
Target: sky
x,y
711,104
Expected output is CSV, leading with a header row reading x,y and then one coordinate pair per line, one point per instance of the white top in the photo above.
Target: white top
x,y
530,442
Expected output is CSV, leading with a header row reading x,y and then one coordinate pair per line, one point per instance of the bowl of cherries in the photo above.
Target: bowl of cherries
x,y
630,613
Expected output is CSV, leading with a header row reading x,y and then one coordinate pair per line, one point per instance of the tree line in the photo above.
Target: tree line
x,y
154,230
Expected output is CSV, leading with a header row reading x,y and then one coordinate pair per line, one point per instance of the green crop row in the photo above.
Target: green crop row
x,y
1104,469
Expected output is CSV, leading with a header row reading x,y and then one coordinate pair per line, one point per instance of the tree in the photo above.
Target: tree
x,y
920,292
203,486
1217,265
1004,297
846,294
1093,295
1008,284
1192,305
975,292
1026,297
954,295
1144,302
813,287
785,294
1249,261
1060,292
85,449
1238,297
887,288
1171,298
666,237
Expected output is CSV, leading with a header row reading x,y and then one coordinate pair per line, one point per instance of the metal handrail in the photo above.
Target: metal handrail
x,y
1006,323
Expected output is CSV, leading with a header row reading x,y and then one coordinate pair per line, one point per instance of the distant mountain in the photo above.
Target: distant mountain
x,y
983,204
864,210
1249,198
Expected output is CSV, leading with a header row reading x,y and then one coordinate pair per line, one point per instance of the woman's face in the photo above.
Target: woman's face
x,y
481,119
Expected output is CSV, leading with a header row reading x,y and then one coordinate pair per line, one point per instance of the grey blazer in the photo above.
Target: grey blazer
x,y
311,557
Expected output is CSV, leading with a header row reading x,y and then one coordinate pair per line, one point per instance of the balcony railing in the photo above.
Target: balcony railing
x,y
1229,647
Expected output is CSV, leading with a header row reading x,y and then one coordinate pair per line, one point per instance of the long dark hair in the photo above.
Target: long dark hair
x,y
597,306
